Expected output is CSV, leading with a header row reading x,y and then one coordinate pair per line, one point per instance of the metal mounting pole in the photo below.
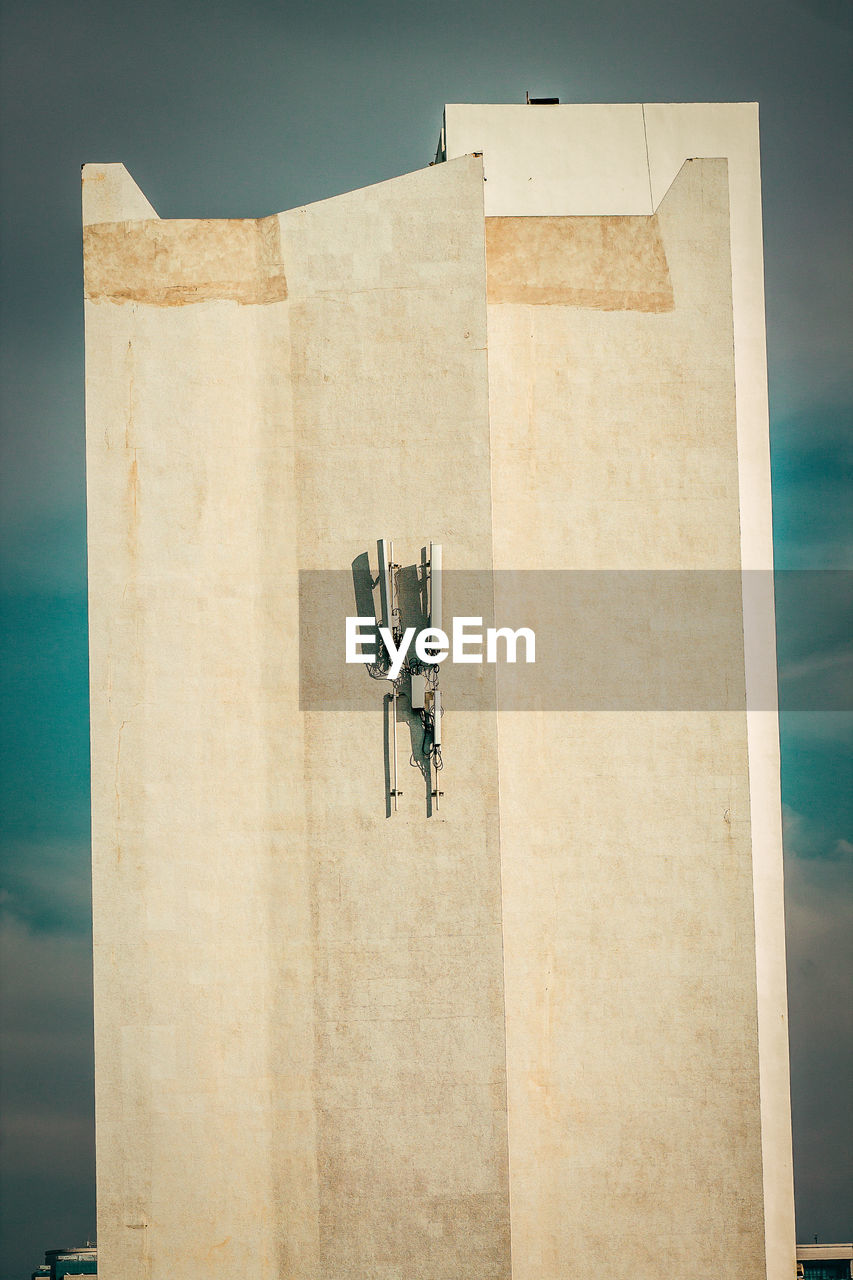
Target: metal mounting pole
x,y
395,792
392,607
436,741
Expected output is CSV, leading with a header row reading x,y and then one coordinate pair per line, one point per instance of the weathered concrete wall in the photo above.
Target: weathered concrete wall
x,y
576,160
632,1050
299,1005
305,1010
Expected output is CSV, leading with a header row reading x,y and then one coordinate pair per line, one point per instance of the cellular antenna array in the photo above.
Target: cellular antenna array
x,y
419,678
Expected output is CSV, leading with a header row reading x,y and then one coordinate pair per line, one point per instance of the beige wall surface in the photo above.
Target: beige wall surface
x,y
540,1032
299,1006
576,159
632,1045
731,129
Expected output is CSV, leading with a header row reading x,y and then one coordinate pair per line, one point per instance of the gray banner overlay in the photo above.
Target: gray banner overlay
x,y
604,640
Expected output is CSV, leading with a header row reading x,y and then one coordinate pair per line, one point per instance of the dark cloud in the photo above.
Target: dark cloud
x,y
819,906
44,767
812,458
817,773
45,885
233,110
836,13
47,1089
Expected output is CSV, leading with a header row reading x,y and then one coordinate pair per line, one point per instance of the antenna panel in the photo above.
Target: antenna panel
x,y
435,585
384,548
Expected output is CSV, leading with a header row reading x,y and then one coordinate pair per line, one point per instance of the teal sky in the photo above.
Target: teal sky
x,y
247,109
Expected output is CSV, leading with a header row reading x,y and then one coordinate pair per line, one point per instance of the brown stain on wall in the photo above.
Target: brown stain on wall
x,y
174,263
605,263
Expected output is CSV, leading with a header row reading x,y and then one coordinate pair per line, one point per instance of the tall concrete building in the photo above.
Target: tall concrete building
x,y
537,1030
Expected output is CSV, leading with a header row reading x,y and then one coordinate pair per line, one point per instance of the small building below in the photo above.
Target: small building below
x,y
63,1264
825,1261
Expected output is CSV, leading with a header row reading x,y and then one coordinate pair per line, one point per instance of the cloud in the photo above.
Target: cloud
x,y
812,457
807,839
815,728
47,1083
818,663
45,885
819,908
44,763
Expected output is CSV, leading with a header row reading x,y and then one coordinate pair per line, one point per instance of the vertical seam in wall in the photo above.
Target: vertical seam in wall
x,y
648,166
493,571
